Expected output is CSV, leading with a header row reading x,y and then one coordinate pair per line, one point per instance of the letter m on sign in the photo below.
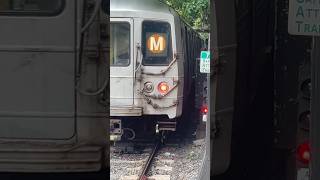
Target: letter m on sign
x,y
156,43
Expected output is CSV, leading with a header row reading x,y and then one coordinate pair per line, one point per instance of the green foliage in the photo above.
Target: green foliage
x,y
194,12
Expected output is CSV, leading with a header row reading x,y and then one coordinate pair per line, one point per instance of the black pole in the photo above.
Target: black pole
x,y
315,110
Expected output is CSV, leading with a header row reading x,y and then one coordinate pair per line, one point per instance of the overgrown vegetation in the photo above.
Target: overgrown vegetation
x,y
194,12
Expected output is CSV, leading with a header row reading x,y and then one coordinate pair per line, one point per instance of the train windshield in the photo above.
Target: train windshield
x,y
120,44
156,47
31,7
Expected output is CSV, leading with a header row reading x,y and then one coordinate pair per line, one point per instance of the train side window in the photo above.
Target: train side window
x,y
31,7
156,46
119,44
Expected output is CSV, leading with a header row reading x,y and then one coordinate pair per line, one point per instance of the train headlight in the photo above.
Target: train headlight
x,y
148,87
163,88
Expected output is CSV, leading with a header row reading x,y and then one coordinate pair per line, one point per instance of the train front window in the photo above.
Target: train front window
x,y
156,47
120,44
31,7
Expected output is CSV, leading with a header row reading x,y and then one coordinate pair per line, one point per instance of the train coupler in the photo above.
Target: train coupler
x,y
166,126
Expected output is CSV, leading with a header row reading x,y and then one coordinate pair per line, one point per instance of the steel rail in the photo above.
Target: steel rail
x,y
143,174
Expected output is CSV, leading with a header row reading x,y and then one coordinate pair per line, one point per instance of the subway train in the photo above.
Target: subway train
x,y
54,86
153,56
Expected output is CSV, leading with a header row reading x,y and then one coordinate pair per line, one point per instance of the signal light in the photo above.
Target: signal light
x,y
306,88
304,120
204,109
148,87
303,153
163,88
305,116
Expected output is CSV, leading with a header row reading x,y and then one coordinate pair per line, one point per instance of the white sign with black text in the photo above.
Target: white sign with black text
x,y
304,17
205,62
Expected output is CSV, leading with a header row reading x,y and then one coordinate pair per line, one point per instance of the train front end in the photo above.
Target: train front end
x,y
146,74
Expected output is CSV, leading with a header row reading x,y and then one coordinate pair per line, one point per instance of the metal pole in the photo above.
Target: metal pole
x,y
205,170
315,110
208,129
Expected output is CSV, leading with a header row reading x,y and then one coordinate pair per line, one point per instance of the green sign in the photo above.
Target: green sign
x,y
205,62
304,17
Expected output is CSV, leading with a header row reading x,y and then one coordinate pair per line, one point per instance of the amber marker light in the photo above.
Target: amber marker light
x,y
163,88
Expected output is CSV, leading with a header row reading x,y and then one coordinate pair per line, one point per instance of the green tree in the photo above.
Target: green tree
x,y
194,12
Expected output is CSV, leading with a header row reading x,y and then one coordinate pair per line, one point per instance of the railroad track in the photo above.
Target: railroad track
x,y
156,161
146,166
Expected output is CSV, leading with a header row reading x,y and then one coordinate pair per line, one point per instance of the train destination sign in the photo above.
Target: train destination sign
x,y
157,44
205,62
304,17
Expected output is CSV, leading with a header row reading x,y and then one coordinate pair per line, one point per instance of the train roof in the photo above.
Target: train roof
x,y
145,6
140,5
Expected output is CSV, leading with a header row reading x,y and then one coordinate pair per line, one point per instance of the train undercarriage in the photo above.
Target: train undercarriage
x,y
130,128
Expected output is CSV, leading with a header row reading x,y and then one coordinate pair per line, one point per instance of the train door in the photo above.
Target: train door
x,y
121,62
37,52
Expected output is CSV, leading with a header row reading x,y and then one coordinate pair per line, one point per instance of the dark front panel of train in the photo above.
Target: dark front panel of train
x,y
292,68
244,87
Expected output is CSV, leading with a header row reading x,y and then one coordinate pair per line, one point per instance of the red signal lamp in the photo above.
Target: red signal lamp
x,y
303,153
204,109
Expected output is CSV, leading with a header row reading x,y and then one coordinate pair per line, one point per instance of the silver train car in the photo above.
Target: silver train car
x,y
152,65
53,59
